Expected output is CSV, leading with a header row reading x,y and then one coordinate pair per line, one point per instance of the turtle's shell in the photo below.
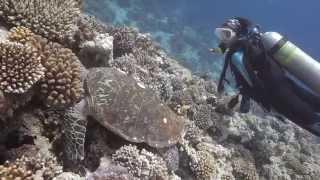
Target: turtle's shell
x,y
130,110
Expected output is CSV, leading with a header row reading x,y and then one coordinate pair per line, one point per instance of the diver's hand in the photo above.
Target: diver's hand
x,y
216,50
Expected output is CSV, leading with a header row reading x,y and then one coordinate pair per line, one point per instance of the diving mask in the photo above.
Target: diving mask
x,y
225,35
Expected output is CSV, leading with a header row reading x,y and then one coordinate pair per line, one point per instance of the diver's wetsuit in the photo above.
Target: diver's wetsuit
x,y
271,88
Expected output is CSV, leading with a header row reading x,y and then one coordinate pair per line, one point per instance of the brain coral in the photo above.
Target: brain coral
x,y
20,67
52,19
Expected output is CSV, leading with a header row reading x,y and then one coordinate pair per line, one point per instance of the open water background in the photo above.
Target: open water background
x,y
185,27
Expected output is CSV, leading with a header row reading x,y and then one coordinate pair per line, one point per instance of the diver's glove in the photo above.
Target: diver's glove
x,y
216,50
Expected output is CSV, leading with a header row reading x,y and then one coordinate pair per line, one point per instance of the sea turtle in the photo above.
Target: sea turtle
x,y
123,105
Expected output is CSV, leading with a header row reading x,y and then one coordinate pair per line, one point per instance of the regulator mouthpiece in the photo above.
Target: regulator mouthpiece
x,y
225,35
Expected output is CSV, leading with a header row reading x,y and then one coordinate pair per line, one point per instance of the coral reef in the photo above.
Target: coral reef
x,y
142,164
53,19
136,93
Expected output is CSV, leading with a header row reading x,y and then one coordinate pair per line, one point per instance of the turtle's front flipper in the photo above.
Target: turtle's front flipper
x,y
74,126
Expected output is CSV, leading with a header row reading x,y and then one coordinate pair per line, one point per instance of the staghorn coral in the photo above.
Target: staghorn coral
x,y
141,164
243,170
61,85
124,40
20,66
53,19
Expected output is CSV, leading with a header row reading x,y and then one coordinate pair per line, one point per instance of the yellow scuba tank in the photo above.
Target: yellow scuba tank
x,y
293,59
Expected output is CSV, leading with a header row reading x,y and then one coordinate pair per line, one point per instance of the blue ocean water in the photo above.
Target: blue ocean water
x,y
185,28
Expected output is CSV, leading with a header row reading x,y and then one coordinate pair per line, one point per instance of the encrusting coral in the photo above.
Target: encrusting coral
x,y
20,66
53,19
142,164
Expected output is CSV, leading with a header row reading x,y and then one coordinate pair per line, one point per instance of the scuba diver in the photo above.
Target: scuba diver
x,y
272,71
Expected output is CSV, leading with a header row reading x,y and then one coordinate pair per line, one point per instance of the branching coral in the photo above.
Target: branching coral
x,y
192,133
142,164
11,171
20,66
202,116
171,157
244,170
201,162
61,85
126,63
53,19
202,165
25,168
25,36
124,40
